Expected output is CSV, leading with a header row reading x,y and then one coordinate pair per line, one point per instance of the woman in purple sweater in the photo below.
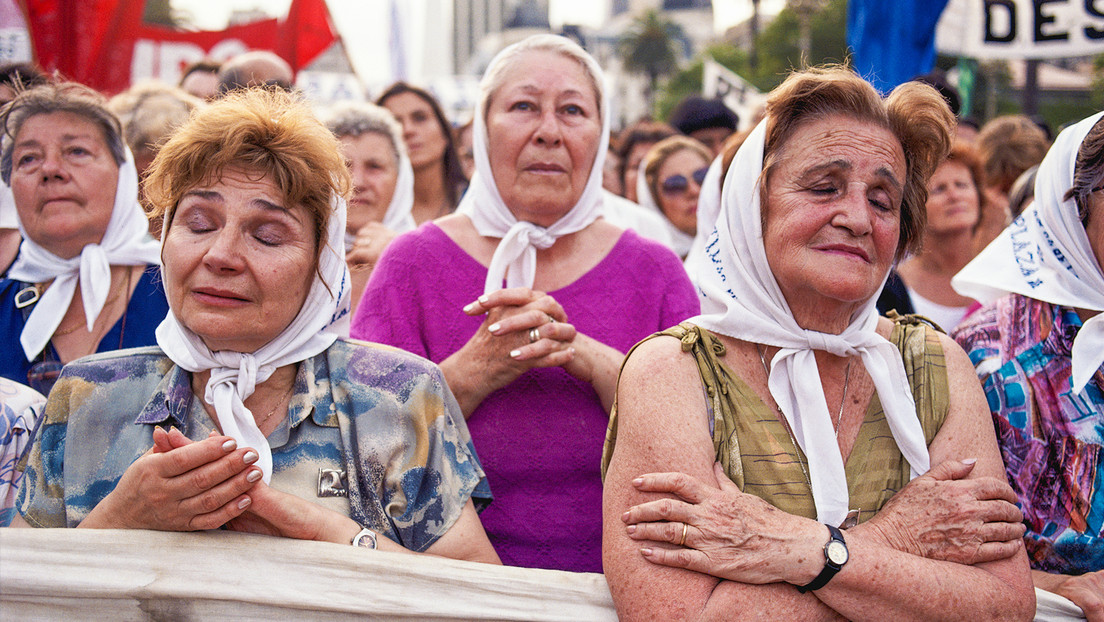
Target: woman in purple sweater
x,y
534,372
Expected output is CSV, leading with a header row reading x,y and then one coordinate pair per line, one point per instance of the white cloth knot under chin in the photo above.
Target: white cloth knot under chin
x,y
831,343
530,234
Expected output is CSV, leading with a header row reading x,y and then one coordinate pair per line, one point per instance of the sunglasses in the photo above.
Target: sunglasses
x,y
677,184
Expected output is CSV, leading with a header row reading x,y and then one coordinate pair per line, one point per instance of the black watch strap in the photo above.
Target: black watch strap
x,y
835,556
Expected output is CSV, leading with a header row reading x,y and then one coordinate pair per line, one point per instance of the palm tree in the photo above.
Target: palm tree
x,y
649,47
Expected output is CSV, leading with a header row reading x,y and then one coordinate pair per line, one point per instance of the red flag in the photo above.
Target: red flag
x,y
106,45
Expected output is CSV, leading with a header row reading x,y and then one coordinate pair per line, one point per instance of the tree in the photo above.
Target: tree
x,y
649,48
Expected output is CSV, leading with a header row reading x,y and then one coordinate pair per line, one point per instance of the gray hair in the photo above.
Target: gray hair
x,y
495,75
52,97
150,112
356,118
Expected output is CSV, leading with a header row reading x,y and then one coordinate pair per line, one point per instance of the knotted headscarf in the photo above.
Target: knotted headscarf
x,y
736,280
515,258
126,242
323,317
398,217
1045,254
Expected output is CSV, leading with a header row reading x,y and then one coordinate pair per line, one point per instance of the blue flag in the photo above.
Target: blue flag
x,y
893,41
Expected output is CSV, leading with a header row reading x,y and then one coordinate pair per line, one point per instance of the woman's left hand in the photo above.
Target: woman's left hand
x,y
724,532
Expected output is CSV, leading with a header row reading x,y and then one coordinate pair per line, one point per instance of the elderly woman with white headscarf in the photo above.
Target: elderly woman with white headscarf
x,y
528,300
759,462
383,185
84,279
253,414
1038,346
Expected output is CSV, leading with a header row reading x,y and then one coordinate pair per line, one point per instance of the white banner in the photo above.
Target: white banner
x,y
738,94
1021,29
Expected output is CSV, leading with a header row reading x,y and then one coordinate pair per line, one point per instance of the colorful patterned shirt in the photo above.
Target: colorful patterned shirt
x,y
371,432
1050,439
20,407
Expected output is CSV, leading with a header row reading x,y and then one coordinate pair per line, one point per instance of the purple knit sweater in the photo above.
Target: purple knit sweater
x,y
540,438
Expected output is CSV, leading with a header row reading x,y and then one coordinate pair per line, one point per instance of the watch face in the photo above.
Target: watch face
x,y
837,552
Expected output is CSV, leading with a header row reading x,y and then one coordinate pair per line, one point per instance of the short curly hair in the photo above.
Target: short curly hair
x,y
268,131
915,113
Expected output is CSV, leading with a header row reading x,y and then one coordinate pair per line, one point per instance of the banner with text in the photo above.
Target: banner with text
x,y
737,93
1021,29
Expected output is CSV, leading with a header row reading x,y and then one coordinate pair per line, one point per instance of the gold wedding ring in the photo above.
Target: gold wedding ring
x,y
534,335
682,540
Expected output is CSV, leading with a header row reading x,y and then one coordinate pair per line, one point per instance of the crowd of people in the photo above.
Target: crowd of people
x,y
713,364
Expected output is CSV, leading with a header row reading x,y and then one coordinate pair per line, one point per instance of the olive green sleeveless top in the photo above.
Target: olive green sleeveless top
x,y
752,443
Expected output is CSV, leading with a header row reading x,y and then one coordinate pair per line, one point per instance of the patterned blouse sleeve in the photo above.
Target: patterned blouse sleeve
x,y
41,500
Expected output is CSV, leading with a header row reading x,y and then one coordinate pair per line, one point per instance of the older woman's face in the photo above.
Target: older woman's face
x,y
1094,226
677,180
425,140
238,261
63,180
543,128
952,199
371,160
832,213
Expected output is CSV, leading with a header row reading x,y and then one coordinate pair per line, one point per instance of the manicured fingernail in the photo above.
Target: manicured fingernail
x,y
253,476
969,461
469,308
244,503
646,552
631,528
250,457
625,516
229,445
494,328
638,481
515,353
483,299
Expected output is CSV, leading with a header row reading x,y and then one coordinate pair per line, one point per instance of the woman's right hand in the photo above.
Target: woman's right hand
x,y
190,487
503,349
944,516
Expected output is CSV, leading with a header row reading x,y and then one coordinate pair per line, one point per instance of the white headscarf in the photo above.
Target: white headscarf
x,y
737,279
1045,254
126,242
9,218
680,241
235,375
515,258
398,217
709,206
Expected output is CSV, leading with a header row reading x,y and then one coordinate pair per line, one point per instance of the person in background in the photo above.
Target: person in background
x,y
439,179
633,143
709,121
610,179
201,79
674,170
967,130
1038,348
921,283
464,149
20,410
255,68
528,299
1008,146
86,277
1023,192
13,77
383,185
253,413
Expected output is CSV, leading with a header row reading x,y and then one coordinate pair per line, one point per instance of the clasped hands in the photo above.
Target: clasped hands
x,y
733,535
185,485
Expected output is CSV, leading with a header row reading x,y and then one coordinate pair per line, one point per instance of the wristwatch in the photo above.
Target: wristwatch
x,y
835,556
366,538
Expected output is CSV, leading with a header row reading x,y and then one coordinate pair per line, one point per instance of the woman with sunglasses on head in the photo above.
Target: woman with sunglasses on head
x,y
85,279
673,172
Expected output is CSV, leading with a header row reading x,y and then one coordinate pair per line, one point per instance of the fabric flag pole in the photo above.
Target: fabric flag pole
x,y
893,41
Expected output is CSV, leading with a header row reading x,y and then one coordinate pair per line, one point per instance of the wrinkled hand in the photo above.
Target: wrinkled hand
x,y
941,515
502,348
370,243
277,513
1087,592
180,485
729,534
